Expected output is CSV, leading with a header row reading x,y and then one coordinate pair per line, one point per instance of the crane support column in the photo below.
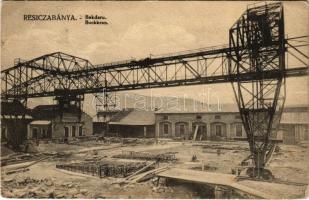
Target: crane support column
x,y
257,40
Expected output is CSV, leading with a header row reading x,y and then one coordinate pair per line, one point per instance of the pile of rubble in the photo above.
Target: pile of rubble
x,y
20,158
138,141
26,187
16,158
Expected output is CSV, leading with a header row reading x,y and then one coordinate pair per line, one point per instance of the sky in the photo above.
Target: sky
x,y
135,30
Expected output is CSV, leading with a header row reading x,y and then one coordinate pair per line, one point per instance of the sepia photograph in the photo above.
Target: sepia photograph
x,y
154,99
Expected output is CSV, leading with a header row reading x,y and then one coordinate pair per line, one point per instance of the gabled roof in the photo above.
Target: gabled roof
x,y
121,114
136,117
47,112
13,108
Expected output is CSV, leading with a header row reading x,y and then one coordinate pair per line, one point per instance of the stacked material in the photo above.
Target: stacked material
x,y
103,169
169,156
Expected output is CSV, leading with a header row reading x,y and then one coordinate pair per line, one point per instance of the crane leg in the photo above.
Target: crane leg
x,y
259,48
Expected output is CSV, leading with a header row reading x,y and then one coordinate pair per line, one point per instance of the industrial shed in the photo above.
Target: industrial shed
x,y
133,123
294,126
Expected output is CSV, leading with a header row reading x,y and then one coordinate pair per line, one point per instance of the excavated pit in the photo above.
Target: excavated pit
x,y
203,191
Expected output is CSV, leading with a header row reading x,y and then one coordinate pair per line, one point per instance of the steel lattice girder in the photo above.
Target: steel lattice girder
x,y
258,37
189,68
43,74
203,66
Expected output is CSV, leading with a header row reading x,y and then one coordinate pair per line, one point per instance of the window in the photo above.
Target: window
x,y
237,117
182,129
165,129
66,131
198,117
218,130
217,117
165,117
80,131
238,130
73,131
34,133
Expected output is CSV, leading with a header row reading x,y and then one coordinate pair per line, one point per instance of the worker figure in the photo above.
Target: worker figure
x,y
194,158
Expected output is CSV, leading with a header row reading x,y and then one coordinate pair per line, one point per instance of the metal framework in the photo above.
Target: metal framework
x,y
258,40
31,79
255,62
105,107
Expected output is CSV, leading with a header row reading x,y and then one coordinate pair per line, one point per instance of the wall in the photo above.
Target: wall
x,y
87,126
294,126
227,121
99,127
43,131
16,130
294,133
133,131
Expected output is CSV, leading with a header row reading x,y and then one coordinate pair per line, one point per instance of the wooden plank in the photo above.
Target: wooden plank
x,y
24,165
212,178
147,174
195,132
18,171
141,170
198,176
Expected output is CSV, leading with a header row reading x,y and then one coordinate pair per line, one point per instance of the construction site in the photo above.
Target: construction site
x,y
255,148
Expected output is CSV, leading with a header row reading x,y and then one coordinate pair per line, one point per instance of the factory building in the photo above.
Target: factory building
x,y
226,124
202,125
51,122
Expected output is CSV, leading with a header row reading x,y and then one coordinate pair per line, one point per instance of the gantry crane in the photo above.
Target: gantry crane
x,y
254,62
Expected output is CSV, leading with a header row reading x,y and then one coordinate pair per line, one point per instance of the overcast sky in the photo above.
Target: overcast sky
x,y
137,29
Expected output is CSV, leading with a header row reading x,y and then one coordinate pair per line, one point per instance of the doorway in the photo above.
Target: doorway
x,y
199,130
66,132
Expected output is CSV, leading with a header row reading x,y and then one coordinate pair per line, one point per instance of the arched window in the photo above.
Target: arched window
x,y
181,129
165,129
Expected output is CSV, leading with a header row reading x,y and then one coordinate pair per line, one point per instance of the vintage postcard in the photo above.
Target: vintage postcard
x,y
154,99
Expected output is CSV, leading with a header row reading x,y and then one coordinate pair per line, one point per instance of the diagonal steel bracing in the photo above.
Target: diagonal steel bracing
x,y
258,37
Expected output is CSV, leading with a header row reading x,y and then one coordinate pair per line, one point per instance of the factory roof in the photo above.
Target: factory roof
x,y
135,117
46,112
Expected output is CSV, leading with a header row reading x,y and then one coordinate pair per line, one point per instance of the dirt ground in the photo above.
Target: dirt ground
x,y
44,180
